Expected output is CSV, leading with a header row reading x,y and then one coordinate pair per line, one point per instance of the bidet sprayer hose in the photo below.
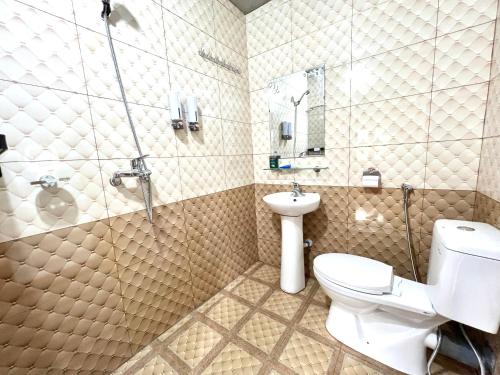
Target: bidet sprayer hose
x,y
407,189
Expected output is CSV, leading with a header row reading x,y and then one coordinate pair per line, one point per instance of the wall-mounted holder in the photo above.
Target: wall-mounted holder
x,y
192,113
3,147
371,178
49,182
176,111
316,169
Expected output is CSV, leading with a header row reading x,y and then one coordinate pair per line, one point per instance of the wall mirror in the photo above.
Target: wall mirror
x,y
297,113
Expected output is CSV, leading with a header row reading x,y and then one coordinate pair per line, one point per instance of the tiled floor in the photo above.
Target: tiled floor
x,y
252,327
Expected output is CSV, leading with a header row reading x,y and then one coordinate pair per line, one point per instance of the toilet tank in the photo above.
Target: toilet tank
x,y
464,273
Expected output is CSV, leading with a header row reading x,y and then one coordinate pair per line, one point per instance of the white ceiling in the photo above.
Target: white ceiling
x,y
246,6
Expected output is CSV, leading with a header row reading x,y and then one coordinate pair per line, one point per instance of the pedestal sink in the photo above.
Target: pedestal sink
x,y
292,208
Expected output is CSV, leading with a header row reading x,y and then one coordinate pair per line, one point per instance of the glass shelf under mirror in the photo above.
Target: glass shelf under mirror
x,y
315,169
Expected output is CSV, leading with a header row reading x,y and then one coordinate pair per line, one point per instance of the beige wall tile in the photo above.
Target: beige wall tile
x,y
489,173
455,15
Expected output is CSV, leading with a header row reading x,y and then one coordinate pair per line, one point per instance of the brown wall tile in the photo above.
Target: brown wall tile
x,y
60,302
487,210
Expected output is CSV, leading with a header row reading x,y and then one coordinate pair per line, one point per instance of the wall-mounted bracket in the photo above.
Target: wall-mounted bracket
x,y
3,147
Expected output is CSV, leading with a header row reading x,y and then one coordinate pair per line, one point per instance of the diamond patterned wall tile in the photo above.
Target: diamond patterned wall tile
x,y
383,208
337,161
259,106
453,164
492,121
458,113
330,46
313,15
489,174
269,65
67,313
400,120
239,61
405,71
446,204
235,104
146,83
263,9
396,163
189,82
205,142
392,25
338,87
29,209
463,57
39,49
53,7
455,15
337,128
239,170
360,5
202,175
487,210
183,43
166,185
269,251
137,24
265,33
42,124
385,245
196,12
261,141
230,29
115,139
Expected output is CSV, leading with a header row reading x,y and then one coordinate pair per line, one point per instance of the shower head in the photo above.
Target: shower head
x,y
296,103
106,9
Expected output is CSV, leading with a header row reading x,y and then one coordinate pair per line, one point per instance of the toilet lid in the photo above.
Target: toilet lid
x,y
355,272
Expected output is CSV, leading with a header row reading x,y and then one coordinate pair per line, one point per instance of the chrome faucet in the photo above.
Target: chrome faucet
x,y
137,169
296,192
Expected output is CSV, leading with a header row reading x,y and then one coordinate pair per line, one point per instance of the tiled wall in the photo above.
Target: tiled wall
x,y
406,92
85,280
488,187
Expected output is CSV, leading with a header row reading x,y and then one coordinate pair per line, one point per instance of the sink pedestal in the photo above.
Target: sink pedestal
x,y
292,254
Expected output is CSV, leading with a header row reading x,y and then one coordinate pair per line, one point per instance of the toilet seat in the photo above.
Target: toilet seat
x,y
404,295
354,272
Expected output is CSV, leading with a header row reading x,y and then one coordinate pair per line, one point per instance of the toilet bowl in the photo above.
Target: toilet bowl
x,y
380,315
393,320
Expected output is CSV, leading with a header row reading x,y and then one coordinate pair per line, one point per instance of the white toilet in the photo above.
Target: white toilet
x,y
392,319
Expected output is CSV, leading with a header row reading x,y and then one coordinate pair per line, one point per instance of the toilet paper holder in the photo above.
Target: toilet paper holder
x,y
371,178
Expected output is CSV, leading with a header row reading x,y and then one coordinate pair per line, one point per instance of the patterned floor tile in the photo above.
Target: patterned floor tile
x,y
228,312
282,304
321,297
195,343
262,332
352,366
251,290
233,284
268,274
169,332
314,319
233,360
156,366
306,356
310,283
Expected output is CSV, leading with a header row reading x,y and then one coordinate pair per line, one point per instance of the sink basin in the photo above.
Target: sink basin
x,y
286,204
292,210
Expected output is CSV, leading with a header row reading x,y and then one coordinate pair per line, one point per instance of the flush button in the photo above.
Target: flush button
x,y
465,228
